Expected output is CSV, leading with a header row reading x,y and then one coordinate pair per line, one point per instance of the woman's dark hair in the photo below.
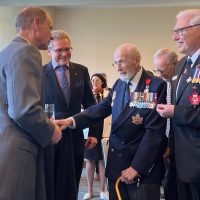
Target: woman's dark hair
x,y
104,82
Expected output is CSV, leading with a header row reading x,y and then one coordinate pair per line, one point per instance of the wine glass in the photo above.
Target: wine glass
x,y
50,111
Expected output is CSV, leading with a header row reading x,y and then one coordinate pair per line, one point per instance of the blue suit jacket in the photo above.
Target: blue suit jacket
x,y
186,127
138,145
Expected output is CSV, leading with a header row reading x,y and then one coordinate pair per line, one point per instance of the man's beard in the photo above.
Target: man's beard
x,y
125,77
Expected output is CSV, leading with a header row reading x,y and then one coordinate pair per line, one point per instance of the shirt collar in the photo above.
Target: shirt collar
x,y
24,39
136,78
54,64
195,56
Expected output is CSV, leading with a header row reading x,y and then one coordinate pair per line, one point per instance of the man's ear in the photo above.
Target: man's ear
x,y
137,59
36,22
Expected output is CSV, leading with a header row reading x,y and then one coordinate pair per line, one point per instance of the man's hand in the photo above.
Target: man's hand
x,y
129,174
64,123
166,153
165,110
90,142
57,135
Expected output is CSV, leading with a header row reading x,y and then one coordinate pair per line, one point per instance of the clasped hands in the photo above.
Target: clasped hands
x,y
65,123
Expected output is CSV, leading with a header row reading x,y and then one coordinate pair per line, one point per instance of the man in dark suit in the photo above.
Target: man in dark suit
x,y
68,91
165,61
24,127
137,139
184,110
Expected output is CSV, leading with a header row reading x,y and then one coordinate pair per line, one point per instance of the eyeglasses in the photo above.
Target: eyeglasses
x,y
180,31
159,71
96,81
117,63
59,51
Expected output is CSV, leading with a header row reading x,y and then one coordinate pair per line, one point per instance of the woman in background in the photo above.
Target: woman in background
x,y
95,154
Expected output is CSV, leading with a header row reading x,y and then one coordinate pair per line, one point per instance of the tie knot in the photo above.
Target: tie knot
x,y
128,83
62,68
189,63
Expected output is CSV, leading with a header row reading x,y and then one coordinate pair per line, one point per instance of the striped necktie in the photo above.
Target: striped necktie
x,y
168,102
64,84
184,76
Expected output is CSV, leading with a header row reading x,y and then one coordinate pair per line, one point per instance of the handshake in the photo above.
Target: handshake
x,y
59,126
65,123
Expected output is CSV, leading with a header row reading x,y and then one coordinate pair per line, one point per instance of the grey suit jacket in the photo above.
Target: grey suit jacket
x,y
24,128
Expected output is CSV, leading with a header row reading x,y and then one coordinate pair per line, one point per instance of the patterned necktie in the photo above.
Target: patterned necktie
x,y
64,82
168,102
126,94
168,92
184,76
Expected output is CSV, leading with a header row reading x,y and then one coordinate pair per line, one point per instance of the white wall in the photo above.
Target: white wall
x,y
96,32
7,26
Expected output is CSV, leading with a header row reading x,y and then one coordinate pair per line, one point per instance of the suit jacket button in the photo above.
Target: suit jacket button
x,y
112,150
122,142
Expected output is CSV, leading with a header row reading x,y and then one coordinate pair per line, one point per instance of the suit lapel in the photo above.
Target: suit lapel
x,y
72,79
190,75
175,80
127,111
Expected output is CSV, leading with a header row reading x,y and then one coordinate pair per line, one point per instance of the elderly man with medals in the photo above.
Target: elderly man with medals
x,y
137,140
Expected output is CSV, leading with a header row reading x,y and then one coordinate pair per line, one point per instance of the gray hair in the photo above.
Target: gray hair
x,y
172,57
193,14
59,34
26,16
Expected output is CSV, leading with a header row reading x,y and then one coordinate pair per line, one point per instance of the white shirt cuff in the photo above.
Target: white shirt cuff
x,y
73,126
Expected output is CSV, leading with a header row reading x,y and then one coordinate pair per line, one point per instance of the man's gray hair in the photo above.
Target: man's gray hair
x,y
193,14
25,18
59,34
172,57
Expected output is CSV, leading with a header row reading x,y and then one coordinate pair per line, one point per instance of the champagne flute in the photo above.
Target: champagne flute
x,y
50,111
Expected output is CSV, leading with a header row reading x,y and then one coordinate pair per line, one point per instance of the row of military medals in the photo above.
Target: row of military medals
x,y
144,99
194,98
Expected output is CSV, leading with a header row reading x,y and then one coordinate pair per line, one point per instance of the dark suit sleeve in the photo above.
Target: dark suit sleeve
x,y
24,91
94,114
153,142
187,116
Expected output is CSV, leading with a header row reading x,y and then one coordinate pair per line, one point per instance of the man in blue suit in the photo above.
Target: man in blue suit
x,y
137,139
68,90
185,109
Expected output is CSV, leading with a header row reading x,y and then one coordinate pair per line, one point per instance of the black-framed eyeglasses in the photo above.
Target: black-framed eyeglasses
x,y
59,51
117,63
180,31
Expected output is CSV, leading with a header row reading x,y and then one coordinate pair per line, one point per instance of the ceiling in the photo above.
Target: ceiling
x,y
99,3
